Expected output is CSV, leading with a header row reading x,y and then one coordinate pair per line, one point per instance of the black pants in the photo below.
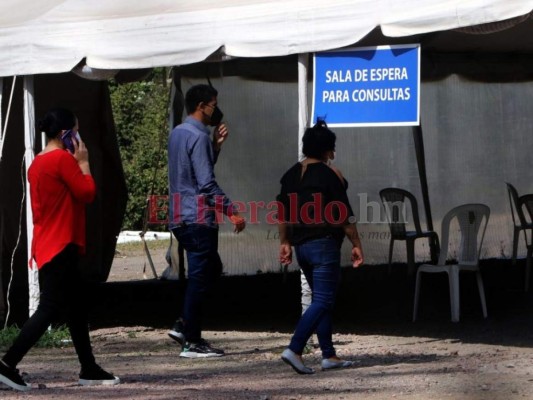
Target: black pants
x,y
63,294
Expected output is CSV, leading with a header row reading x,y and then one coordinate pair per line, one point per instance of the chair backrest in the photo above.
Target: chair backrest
x,y
516,208
526,201
394,201
472,220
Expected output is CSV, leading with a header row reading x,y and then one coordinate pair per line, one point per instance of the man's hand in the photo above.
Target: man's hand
x,y
285,254
220,134
239,222
357,256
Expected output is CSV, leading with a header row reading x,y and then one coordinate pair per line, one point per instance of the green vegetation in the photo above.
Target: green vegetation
x,y
140,111
55,337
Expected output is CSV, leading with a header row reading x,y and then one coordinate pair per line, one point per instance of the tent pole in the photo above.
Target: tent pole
x,y
303,115
2,303
421,162
29,144
1,126
177,105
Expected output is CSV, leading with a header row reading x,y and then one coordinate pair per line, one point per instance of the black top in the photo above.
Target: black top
x,y
315,205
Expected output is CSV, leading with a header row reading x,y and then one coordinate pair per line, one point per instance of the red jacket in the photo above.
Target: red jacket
x,y
59,192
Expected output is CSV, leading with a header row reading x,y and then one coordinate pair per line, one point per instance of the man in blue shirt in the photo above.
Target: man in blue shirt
x,y
196,206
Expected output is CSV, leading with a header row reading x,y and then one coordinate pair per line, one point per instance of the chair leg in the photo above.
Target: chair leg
x,y
391,248
434,246
410,244
417,295
528,267
453,279
481,294
516,236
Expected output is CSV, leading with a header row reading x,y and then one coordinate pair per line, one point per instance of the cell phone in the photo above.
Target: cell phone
x,y
67,139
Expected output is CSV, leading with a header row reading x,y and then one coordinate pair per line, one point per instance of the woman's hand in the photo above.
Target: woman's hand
x,y
238,221
81,154
357,257
285,254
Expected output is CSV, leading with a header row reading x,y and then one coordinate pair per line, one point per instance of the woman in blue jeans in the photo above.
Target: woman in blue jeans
x,y
315,216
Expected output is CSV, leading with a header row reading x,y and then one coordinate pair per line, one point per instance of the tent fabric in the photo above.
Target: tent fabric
x,y
52,36
477,136
29,156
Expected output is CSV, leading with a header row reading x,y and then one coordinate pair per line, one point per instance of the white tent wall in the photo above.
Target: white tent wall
x,y
263,122
477,136
29,156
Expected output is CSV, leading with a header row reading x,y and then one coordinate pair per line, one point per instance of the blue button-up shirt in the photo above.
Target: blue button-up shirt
x,y
194,192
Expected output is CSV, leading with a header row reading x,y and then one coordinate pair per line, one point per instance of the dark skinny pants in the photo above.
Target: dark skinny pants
x,y
63,294
204,268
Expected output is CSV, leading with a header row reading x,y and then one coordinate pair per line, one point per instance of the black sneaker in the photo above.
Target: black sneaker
x,y
202,349
176,333
95,375
11,377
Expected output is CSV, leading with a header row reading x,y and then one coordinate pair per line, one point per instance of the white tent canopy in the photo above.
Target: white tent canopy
x,y
52,36
55,36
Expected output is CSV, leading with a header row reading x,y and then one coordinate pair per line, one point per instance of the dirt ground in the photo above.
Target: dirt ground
x,y
394,359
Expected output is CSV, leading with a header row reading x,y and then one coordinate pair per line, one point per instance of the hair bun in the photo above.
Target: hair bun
x,y
321,122
56,120
43,125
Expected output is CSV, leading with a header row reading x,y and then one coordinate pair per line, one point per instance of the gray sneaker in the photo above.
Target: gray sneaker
x,y
335,364
202,349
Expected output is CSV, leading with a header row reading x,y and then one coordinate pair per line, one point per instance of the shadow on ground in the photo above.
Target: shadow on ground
x,y
371,301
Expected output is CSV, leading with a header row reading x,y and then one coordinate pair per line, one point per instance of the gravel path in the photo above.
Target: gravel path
x,y
387,367
394,358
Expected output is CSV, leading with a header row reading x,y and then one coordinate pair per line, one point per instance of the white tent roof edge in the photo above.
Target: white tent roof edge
x,y
56,35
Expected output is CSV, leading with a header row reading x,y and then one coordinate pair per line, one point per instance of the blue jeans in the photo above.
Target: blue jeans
x,y
203,269
320,261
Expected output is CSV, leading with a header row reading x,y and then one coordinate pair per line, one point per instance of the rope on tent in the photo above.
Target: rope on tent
x,y
18,240
1,130
155,168
4,128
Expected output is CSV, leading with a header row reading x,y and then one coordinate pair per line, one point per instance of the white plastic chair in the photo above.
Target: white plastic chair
x,y
472,220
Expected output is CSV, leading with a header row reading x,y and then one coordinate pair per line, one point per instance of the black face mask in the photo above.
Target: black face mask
x,y
216,117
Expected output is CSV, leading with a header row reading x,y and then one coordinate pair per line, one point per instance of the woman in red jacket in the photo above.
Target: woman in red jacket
x,y
60,186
